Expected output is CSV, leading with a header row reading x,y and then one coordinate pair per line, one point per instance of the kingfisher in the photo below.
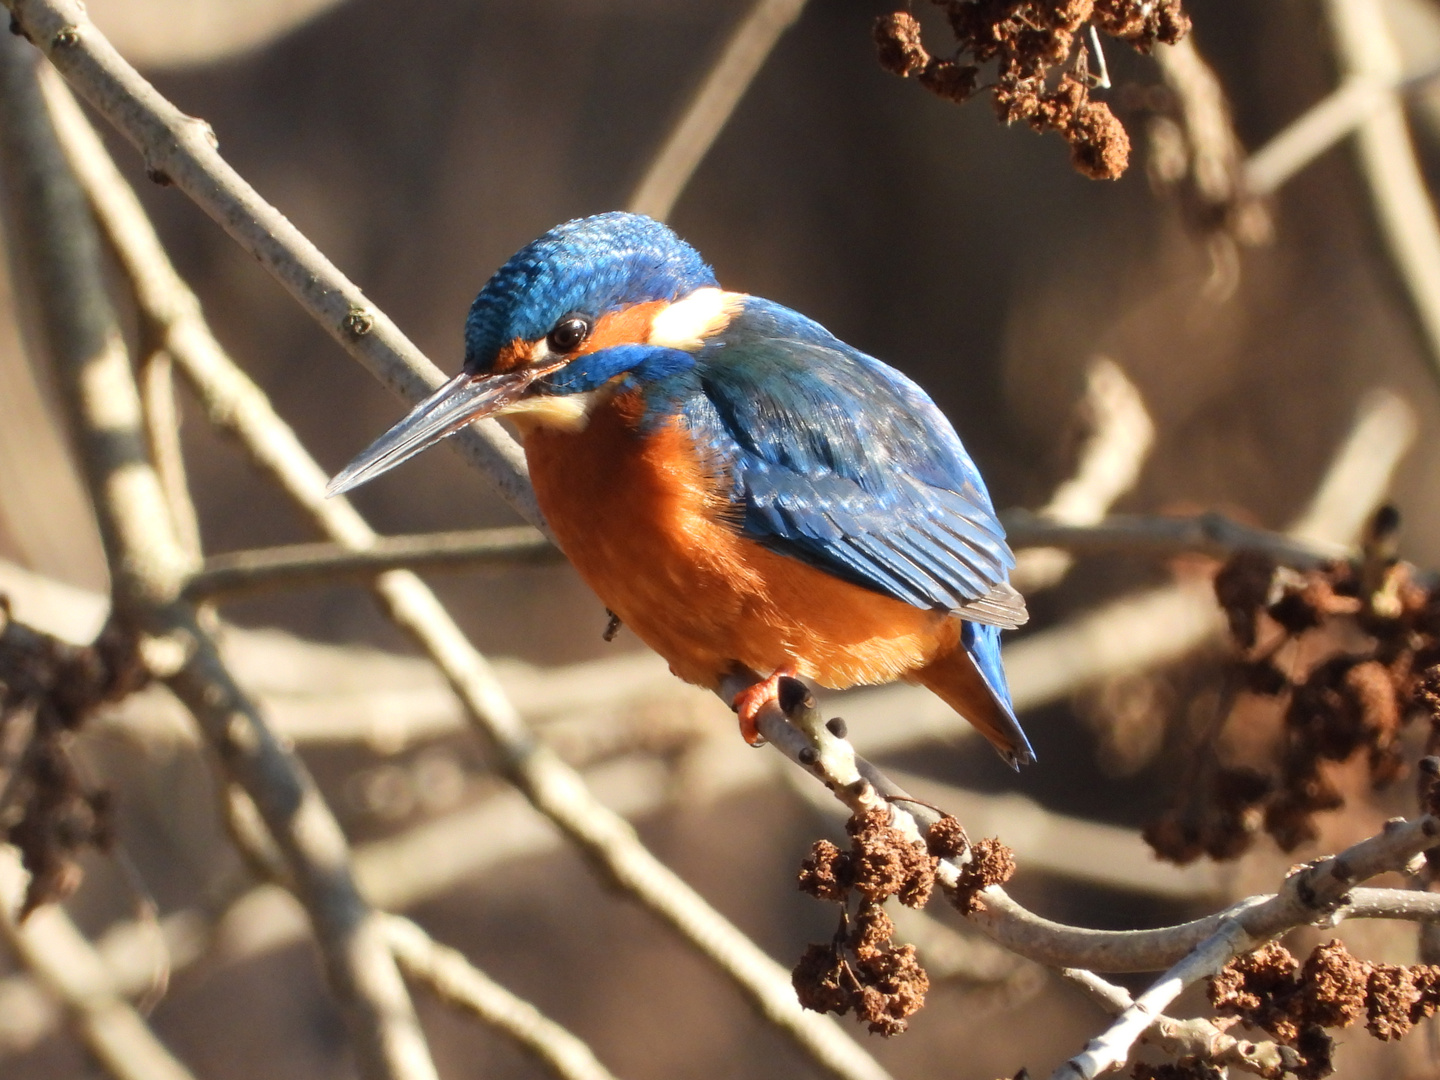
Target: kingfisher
x,y
743,490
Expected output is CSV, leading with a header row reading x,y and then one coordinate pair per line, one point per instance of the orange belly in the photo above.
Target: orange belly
x,y
645,523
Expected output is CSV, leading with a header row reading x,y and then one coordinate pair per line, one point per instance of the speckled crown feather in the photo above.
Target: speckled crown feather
x,y
589,265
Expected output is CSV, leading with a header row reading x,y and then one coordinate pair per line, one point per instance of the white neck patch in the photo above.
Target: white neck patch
x,y
686,323
559,412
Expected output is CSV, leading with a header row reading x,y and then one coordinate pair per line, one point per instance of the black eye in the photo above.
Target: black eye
x,y
568,334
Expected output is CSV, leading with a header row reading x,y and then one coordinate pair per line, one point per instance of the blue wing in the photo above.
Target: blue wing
x,y
840,461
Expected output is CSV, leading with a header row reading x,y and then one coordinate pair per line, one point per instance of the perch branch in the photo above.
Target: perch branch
x,y
710,109
53,238
240,408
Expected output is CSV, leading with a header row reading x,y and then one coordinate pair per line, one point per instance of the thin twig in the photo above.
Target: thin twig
x,y
710,109
1112,1048
240,408
460,984
162,429
1322,126
1403,209
57,954
1120,440
292,566
1307,896
54,238
1310,134
1161,537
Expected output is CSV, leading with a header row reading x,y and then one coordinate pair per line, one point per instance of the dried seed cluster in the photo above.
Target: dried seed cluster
x,y
1268,989
1040,68
1351,704
47,690
861,968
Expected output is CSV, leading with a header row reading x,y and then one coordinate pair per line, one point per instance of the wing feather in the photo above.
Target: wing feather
x,y
843,463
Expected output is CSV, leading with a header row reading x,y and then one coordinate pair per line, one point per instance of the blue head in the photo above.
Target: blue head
x,y
590,267
588,302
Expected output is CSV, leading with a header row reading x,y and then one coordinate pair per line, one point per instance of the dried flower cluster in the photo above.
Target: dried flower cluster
x,y
1350,704
1040,68
47,689
1268,989
861,968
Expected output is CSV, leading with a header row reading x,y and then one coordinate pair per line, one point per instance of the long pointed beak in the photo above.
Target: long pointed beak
x,y
461,400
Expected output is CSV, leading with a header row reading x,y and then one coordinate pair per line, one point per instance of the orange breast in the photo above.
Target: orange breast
x,y
647,525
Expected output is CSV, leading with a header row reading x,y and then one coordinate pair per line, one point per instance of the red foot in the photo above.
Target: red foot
x,y
750,701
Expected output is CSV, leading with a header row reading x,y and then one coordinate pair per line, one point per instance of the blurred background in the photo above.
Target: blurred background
x,y
419,145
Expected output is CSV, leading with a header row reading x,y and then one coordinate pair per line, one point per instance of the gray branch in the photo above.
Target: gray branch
x,y
183,150
53,238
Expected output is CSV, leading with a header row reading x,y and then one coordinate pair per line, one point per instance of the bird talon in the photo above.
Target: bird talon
x,y
750,701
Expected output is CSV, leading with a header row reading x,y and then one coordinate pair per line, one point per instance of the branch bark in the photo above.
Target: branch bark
x,y
53,238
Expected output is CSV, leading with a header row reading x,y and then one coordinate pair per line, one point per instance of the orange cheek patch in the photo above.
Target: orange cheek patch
x,y
513,356
625,327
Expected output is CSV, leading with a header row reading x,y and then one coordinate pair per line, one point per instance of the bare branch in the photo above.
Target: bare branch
x,y
1321,126
162,429
1161,537
460,984
1197,1038
54,235
709,110
1307,895
58,955
1120,440
1312,133
240,573
182,150
1211,181
1403,209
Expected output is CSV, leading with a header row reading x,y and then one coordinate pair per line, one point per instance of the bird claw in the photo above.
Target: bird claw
x,y
750,701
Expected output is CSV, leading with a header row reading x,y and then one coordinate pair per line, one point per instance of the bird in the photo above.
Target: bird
x,y
742,489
